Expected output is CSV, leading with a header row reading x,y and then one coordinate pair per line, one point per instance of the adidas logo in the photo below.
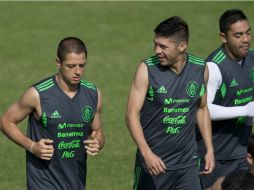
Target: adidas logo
x,y
233,83
55,115
162,90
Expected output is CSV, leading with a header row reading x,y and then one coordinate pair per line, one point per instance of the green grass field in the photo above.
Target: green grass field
x,y
118,35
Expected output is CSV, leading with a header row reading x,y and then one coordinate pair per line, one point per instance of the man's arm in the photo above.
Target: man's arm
x,y
97,139
204,125
218,112
17,112
135,102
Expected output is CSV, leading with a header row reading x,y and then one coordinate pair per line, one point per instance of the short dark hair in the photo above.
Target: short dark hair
x,y
70,45
230,17
251,146
173,26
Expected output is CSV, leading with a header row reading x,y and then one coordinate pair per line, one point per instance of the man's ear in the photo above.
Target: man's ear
x,y
58,62
223,37
182,46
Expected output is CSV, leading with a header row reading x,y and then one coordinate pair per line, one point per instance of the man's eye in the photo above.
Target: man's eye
x,y
238,35
163,47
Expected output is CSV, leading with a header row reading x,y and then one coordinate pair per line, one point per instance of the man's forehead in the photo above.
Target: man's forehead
x,y
73,58
239,27
159,39
73,54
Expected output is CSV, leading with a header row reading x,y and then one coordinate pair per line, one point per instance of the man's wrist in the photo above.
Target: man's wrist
x,y
31,147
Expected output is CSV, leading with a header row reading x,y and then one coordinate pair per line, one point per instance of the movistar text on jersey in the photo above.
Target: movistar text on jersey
x,y
244,91
70,125
168,101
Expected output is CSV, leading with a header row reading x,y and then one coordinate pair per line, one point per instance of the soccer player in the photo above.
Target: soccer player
x,y
230,93
167,98
64,123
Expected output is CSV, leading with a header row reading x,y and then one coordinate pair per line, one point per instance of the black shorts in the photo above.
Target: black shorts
x,y
181,179
222,169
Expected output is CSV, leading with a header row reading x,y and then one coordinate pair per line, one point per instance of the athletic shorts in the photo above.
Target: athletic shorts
x,y
222,169
181,179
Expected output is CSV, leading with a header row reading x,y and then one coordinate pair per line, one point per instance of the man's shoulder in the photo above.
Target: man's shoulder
x,y
44,84
217,56
88,84
196,60
151,61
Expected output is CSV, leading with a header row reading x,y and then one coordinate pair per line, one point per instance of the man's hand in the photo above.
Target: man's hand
x,y
92,145
43,149
154,164
209,163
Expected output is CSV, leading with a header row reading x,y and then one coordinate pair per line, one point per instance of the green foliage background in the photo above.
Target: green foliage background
x,y
118,36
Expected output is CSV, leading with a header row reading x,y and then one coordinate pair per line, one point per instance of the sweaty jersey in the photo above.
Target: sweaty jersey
x,y
230,137
168,116
67,122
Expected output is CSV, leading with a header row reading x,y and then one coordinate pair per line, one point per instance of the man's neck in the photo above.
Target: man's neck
x,y
237,59
178,66
68,89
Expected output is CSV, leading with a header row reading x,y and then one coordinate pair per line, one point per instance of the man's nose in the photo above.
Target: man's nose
x,y
77,70
157,50
246,38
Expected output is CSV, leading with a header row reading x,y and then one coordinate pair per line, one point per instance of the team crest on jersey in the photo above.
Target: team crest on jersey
x,y
192,89
87,114
252,74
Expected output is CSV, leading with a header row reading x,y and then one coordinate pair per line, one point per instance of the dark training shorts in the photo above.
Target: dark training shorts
x,y
181,179
222,168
